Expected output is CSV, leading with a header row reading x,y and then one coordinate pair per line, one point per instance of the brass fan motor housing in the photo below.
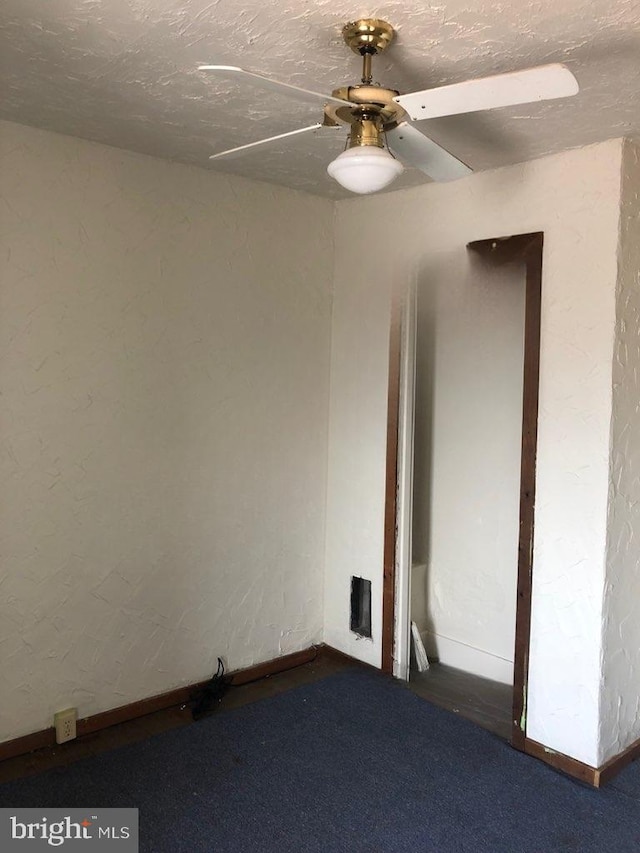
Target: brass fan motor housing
x,y
374,109
365,99
368,35
367,131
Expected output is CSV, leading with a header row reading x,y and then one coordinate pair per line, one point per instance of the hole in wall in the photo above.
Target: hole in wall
x,y
360,622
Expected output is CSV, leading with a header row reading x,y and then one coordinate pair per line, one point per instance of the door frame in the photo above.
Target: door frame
x,y
519,248
404,491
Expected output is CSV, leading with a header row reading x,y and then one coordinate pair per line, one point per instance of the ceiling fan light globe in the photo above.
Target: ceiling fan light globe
x,y
365,169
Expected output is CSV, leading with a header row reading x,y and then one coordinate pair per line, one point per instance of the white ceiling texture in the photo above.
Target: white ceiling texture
x,y
123,72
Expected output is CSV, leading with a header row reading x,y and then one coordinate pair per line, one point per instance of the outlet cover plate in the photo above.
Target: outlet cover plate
x,y
65,725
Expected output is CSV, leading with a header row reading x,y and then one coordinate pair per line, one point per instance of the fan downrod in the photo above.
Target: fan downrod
x,y
367,37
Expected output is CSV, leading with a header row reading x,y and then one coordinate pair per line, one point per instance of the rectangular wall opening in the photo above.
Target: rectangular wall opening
x,y
454,500
360,607
474,465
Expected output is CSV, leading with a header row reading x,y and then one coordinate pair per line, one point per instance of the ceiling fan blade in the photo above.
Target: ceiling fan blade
x,y
241,149
274,85
502,90
415,149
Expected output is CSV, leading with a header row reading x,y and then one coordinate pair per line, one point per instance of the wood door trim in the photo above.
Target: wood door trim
x,y
391,489
527,249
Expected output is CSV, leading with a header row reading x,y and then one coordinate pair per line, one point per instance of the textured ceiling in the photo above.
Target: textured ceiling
x,y
123,72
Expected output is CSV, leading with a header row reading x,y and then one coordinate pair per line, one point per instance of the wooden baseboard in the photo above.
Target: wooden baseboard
x,y
614,765
160,702
568,765
595,776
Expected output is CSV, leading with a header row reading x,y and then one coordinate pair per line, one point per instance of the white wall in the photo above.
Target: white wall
x,y
383,241
164,337
468,432
620,696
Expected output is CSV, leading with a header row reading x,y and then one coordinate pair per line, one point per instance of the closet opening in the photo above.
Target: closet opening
x,y
464,371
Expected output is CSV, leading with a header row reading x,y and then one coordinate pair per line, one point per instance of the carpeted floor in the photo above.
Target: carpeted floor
x,y
354,763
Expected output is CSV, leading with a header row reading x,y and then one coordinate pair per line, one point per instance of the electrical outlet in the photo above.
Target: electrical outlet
x,y
65,724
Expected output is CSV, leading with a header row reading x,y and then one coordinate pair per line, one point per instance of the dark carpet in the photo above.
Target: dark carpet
x,y
354,763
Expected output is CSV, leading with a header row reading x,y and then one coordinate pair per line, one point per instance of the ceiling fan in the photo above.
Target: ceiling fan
x,y
380,119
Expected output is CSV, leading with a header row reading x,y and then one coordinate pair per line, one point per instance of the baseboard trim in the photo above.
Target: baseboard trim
x,y
160,702
595,776
614,765
468,658
560,761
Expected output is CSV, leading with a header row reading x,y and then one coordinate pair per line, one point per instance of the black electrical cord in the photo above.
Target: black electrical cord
x,y
205,700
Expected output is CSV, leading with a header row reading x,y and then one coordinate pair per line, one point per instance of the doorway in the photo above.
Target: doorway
x,y
458,539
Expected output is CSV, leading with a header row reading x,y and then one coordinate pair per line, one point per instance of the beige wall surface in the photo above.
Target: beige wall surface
x,y
193,416
574,198
164,357
620,691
